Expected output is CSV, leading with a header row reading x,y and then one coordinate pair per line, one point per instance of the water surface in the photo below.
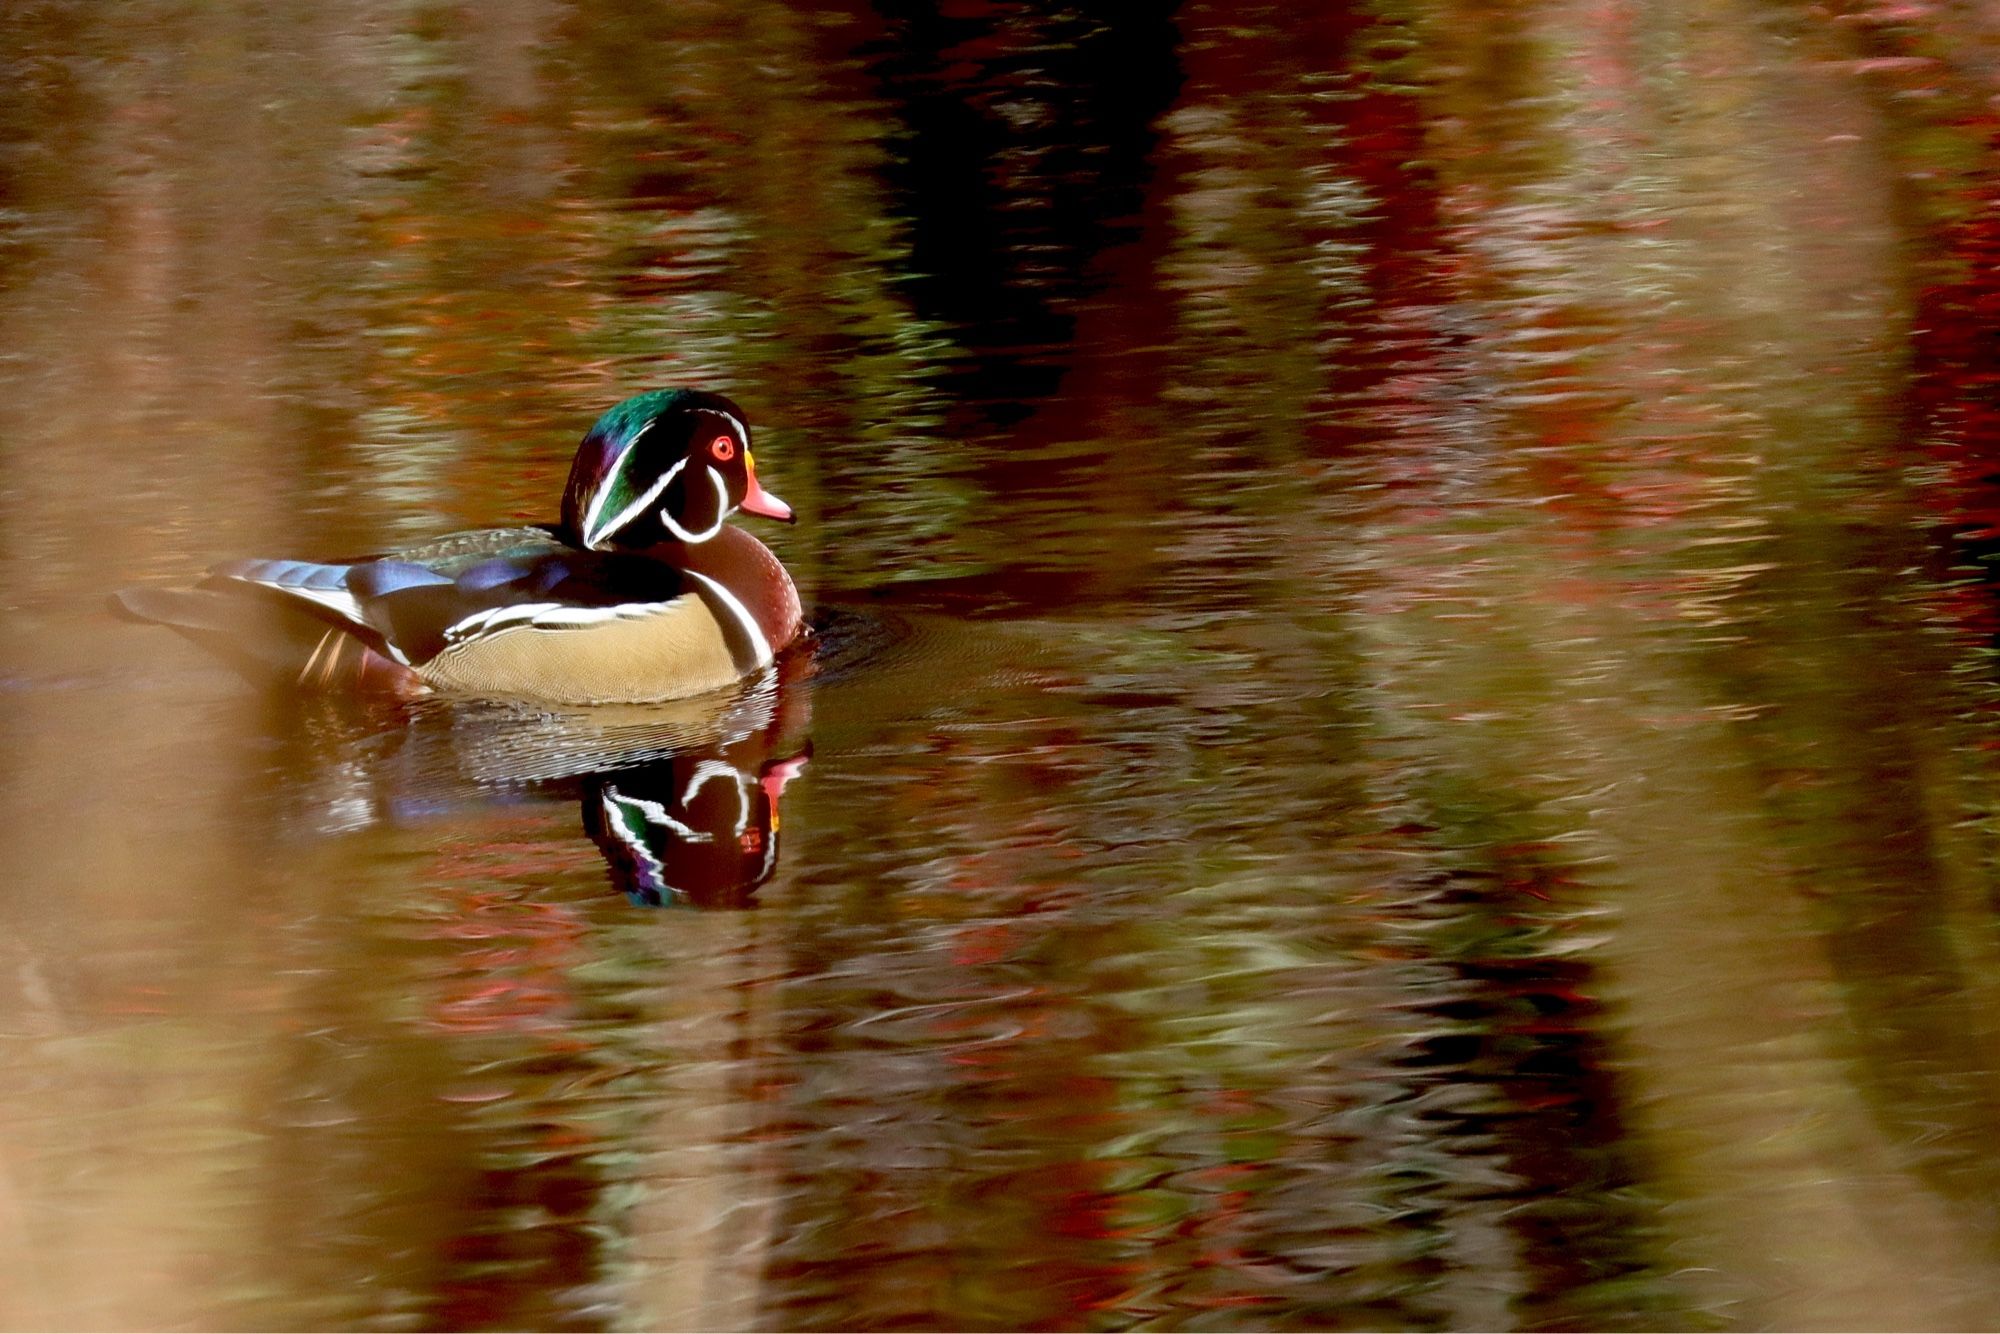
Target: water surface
x,y
1403,733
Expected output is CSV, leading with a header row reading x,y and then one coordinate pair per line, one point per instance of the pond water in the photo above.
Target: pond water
x,y
1402,733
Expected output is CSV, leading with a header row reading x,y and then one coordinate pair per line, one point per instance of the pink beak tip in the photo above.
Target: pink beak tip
x,y
774,781
762,502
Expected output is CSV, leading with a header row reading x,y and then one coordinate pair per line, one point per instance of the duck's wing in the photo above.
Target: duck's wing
x,y
348,596
329,587
414,609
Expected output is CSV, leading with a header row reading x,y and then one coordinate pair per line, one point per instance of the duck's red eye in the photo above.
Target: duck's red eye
x,y
723,448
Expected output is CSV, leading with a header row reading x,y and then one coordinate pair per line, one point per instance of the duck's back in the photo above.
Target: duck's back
x,y
454,553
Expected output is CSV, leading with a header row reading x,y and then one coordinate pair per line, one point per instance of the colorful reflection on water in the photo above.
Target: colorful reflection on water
x,y
1402,735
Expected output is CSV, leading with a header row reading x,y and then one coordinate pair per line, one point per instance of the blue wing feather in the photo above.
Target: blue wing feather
x,y
383,577
287,574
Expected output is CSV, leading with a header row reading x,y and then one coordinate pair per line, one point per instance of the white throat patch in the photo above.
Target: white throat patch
x,y
722,510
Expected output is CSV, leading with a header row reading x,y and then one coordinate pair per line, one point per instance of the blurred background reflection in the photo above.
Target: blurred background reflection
x,y
1405,729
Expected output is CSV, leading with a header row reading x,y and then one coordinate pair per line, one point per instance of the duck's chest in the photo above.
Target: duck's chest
x,y
754,580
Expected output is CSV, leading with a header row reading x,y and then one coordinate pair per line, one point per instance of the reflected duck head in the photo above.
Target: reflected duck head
x,y
698,829
671,465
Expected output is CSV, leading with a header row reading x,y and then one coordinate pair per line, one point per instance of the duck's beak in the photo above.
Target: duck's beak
x,y
756,500
776,776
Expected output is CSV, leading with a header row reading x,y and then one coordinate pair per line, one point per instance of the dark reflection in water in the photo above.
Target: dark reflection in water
x,y
1403,734
1016,164
681,799
698,829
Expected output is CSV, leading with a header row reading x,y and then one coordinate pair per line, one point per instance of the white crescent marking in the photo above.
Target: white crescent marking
x,y
712,769
723,510
742,615
655,813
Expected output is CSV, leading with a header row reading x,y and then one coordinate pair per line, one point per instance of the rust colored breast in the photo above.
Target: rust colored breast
x,y
749,569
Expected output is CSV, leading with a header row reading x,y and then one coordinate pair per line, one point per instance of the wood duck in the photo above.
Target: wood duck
x,y
644,591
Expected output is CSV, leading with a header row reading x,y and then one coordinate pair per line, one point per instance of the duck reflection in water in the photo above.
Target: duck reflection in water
x,y
698,829
682,798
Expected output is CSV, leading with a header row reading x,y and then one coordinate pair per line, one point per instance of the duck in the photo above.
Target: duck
x,y
642,591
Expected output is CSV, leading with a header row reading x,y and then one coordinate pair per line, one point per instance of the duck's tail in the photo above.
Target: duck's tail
x,y
267,639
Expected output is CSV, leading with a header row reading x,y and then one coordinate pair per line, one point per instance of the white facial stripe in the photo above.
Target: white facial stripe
x,y
637,507
743,617
614,821
722,510
591,535
654,813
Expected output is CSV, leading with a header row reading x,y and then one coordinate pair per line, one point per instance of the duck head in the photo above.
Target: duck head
x,y
666,466
698,829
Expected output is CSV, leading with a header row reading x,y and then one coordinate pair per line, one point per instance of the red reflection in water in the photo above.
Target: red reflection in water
x,y
511,974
